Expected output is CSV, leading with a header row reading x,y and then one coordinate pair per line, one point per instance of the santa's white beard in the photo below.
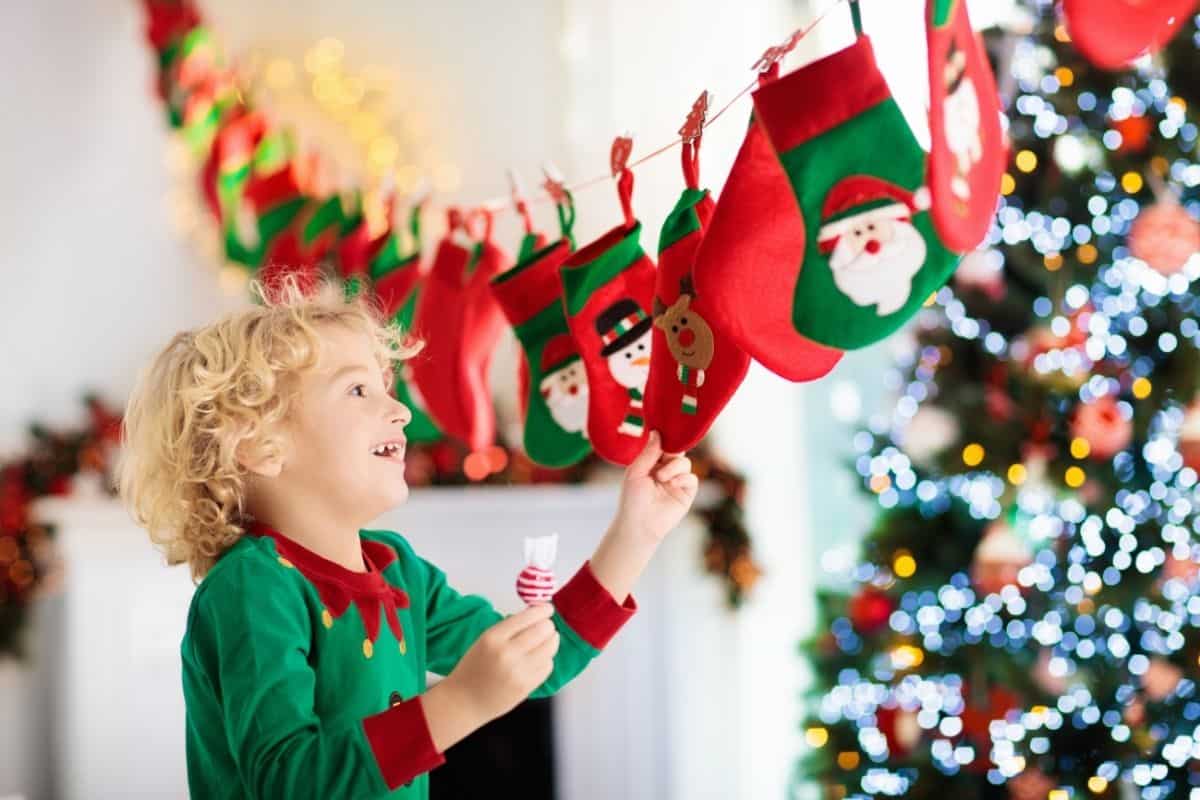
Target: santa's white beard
x,y
569,410
883,278
961,111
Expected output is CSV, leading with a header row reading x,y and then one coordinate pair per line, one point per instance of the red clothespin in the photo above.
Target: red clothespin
x,y
693,126
690,133
622,146
770,59
618,158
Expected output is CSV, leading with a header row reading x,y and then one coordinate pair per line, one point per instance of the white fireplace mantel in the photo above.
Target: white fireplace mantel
x,y
652,717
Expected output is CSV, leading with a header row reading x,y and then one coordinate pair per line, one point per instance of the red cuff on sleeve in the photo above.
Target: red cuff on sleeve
x,y
590,610
401,742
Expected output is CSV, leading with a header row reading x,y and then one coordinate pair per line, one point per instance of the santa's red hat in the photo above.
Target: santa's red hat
x,y
865,195
558,352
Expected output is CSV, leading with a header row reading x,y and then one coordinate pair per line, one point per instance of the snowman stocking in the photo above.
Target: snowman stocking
x,y
871,256
553,382
967,156
608,287
694,371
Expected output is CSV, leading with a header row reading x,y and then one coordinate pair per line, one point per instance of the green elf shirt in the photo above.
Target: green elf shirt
x,y
303,678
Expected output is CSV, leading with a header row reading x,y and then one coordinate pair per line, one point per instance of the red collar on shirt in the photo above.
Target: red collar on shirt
x,y
338,587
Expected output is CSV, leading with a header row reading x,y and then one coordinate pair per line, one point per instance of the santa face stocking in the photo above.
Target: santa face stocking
x,y
608,288
967,156
555,389
694,370
871,257
748,263
1113,33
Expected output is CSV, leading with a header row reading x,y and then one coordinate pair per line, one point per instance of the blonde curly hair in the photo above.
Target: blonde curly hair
x,y
214,388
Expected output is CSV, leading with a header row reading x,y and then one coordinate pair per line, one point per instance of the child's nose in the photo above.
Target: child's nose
x,y
401,414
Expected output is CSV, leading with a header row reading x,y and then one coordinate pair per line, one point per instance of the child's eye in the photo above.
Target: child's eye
x,y
359,389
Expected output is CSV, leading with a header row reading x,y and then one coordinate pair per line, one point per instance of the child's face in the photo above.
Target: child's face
x,y
346,412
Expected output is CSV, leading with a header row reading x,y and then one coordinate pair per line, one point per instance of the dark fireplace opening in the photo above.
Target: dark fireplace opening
x,y
512,756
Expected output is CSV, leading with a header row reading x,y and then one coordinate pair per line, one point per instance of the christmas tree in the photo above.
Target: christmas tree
x,y
1022,619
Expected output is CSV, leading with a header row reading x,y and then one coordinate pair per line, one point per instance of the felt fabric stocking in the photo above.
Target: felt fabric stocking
x,y
749,260
1113,33
554,383
397,277
437,320
694,370
608,287
967,156
871,256
483,326
460,323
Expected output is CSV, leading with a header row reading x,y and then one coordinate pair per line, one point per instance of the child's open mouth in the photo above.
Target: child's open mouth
x,y
392,451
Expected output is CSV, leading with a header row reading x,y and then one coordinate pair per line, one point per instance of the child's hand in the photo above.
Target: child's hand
x,y
658,490
506,663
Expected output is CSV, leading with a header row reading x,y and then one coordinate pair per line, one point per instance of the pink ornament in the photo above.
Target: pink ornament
x,y
1164,236
535,583
1161,678
982,270
1103,426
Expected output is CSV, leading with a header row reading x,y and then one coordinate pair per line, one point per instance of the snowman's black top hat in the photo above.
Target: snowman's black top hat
x,y
620,325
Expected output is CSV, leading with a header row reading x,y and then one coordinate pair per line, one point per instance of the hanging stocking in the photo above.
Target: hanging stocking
x,y
694,371
483,326
967,156
871,257
1113,33
437,320
555,391
608,287
460,323
396,277
748,263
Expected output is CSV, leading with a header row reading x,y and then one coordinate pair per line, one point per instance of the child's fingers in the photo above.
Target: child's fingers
x,y
677,466
515,623
645,460
534,636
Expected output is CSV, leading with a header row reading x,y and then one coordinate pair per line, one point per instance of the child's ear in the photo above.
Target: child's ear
x,y
262,458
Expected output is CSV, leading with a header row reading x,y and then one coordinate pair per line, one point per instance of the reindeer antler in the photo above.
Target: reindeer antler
x,y
659,308
686,286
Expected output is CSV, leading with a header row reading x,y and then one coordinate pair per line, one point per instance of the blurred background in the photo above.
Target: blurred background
x,y
108,251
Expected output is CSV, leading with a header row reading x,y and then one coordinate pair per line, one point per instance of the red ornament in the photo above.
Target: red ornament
x,y
900,728
1135,133
1103,426
1165,236
870,609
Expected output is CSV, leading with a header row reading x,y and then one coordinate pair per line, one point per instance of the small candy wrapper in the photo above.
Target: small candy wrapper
x,y
535,583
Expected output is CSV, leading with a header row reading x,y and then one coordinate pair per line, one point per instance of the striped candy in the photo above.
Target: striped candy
x,y
535,585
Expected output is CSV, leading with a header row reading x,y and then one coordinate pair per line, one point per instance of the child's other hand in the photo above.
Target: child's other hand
x,y
506,663
658,490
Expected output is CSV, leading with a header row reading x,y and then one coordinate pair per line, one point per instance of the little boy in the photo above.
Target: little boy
x,y
256,448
